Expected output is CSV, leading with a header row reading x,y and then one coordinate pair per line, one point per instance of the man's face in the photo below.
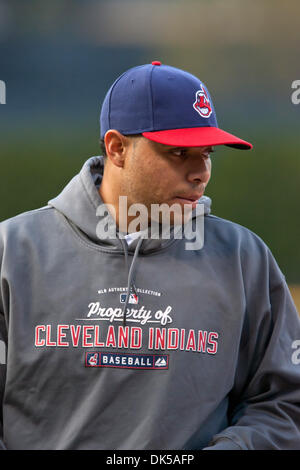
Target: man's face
x,y
154,173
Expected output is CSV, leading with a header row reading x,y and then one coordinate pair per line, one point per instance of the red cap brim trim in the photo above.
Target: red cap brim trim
x,y
197,137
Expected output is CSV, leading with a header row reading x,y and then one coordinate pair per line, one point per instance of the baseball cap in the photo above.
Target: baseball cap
x,y
166,105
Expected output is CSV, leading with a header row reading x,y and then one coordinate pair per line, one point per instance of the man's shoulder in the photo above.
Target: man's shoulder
x,y
234,233
29,219
33,213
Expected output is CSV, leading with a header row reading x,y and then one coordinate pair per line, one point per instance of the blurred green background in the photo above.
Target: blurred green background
x,y
59,58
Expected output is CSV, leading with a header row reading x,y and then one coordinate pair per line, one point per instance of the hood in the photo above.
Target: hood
x,y
80,201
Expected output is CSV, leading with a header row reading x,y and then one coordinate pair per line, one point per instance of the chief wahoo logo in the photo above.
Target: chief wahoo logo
x,y
202,104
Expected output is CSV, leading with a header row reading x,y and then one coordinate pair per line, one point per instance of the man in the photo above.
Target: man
x,y
118,337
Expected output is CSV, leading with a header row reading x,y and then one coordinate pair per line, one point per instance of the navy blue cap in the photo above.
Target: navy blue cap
x,y
166,105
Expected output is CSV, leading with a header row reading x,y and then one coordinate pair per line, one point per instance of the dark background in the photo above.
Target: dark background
x,y
59,58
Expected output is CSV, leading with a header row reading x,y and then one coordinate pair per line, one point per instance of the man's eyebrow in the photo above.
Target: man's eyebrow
x,y
180,147
164,146
173,147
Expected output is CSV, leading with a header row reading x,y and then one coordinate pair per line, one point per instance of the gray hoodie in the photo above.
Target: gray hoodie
x,y
147,346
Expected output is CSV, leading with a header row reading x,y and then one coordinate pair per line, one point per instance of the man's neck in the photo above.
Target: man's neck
x,y
110,194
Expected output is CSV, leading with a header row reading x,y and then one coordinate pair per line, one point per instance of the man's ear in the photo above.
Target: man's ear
x,y
116,145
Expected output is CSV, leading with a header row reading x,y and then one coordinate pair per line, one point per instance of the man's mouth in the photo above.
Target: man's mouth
x,y
190,197
189,200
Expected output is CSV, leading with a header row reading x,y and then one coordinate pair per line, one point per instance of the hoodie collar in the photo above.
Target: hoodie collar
x,y
79,202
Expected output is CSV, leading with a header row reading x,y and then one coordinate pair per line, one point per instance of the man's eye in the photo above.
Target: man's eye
x,y
179,152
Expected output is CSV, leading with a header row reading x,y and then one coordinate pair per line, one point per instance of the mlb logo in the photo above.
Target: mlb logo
x,y
133,299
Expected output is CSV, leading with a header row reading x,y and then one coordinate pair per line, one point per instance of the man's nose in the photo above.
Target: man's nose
x,y
199,170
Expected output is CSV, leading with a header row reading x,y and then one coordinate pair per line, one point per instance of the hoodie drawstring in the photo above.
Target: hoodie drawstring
x,y
130,280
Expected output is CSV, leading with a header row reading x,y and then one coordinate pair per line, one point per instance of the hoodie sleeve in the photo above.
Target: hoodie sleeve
x,y
2,374
264,411
3,345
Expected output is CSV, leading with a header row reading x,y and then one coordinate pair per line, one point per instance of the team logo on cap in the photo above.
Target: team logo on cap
x,y
202,104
